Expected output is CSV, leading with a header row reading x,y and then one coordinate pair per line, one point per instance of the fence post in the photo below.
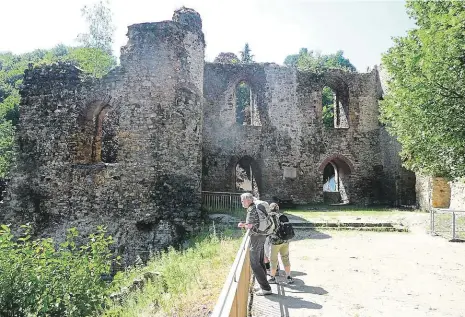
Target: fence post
x,y
432,221
453,225
230,202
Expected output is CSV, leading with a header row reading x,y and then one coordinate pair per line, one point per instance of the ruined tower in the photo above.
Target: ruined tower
x,y
124,151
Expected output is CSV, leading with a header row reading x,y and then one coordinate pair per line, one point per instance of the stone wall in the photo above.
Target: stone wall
x,y
435,192
145,117
292,135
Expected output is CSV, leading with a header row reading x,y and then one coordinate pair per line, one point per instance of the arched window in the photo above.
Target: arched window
x,y
246,107
328,97
335,108
97,139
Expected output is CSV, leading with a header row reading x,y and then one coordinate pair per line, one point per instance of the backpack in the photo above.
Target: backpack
x,y
284,229
267,225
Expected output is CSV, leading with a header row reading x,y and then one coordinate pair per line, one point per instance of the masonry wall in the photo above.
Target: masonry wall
x,y
291,134
149,195
439,193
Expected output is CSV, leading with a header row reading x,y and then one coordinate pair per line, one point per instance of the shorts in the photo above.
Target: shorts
x,y
283,250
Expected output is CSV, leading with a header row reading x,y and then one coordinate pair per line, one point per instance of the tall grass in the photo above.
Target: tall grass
x,y
188,283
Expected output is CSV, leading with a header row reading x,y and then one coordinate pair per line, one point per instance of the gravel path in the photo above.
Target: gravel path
x,y
350,273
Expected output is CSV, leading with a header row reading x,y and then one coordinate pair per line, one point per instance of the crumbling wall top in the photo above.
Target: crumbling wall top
x,y
189,18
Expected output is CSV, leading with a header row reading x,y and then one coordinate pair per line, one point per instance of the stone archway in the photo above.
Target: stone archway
x,y
247,176
336,171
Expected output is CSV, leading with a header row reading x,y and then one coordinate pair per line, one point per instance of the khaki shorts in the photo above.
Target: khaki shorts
x,y
283,250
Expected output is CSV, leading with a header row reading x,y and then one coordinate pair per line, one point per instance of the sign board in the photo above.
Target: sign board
x,y
289,172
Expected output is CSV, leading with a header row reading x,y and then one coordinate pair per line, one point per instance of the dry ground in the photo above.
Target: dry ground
x,y
350,273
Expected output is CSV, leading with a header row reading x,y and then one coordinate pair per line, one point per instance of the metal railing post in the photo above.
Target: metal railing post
x,y
453,226
433,232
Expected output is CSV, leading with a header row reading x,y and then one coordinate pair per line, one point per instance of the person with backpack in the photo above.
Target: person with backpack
x,y
260,225
279,240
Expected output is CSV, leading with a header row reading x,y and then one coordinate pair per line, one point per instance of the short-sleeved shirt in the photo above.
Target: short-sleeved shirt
x,y
253,219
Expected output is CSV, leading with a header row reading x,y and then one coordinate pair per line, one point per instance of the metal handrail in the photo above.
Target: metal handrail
x,y
232,301
227,193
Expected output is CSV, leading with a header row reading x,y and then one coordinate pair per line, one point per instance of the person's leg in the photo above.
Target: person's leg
x,y
256,261
274,259
267,249
284,252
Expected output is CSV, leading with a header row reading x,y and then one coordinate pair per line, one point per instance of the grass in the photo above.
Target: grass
x,y
190,280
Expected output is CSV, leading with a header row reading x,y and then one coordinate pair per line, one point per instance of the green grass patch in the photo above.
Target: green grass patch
x,y
189,283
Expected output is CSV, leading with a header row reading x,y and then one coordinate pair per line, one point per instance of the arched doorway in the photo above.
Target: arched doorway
x,y
330,178
335,185
246,176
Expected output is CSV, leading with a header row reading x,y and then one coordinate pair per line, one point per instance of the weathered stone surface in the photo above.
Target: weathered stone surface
x,y
124,151
292,135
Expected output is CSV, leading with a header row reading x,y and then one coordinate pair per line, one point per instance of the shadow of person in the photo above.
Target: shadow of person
x,y
287,299
299,287
294,273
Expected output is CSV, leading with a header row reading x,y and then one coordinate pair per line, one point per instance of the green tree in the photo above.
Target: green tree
x,y
227,58
316,62
101,29
425,98
98,40
246,55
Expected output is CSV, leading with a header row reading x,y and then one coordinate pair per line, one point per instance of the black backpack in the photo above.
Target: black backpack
x,y
284,229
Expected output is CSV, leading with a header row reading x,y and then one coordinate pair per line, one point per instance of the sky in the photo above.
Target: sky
x,y
273,28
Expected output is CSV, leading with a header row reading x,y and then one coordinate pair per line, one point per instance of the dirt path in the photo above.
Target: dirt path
x,y
371,274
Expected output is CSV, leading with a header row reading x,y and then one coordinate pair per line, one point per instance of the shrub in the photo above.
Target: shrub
x,y
38,278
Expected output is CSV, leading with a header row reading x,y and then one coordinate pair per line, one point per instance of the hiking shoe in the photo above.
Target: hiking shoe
x,y
272,280
263,293
290,280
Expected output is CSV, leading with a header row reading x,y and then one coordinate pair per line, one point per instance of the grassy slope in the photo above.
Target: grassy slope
x,y
192,279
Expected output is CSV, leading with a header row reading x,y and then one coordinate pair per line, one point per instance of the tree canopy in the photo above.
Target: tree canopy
x,y
246,55
425,99
317,62
227,58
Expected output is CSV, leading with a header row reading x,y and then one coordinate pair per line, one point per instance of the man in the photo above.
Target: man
x,y
280,246
257,241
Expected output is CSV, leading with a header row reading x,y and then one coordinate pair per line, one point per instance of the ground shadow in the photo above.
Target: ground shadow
x,y
288,300
306,233
294,273
299,287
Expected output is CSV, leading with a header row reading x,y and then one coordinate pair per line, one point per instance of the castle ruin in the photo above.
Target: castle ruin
x,y
135,149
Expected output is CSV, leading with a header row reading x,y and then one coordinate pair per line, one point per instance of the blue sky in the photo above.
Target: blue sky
x,y
273,28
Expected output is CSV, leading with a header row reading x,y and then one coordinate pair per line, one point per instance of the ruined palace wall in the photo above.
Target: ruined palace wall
x,y
151,193
291,134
